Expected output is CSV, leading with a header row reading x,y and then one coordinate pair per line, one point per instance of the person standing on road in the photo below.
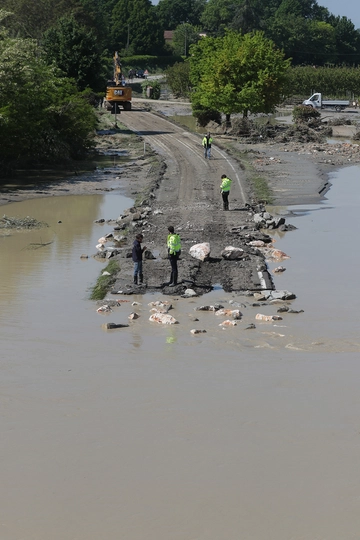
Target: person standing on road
x,y
174,252
137,255
206,142
225,190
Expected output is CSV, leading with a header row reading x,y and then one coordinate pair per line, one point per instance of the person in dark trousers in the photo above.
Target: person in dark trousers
x,y
174,251
225,190
137,254
206,142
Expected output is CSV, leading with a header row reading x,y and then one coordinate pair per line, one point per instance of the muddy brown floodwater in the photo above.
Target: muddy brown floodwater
x,y
148,432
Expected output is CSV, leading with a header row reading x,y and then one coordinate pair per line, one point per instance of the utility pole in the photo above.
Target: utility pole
x,y
185,40
128,37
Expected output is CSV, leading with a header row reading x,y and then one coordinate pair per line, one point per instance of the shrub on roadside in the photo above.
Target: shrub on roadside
x,y
155,89
178,78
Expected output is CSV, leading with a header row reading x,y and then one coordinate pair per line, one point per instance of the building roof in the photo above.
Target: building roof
x,y
168,35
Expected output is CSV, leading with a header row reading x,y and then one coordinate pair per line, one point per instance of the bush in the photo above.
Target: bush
x,y
178,78
305,113
155,89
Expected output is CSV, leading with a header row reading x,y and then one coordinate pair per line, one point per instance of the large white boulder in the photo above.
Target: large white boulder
x,y
200,251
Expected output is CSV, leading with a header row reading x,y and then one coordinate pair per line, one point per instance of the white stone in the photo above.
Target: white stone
x,y
161,304
273,254
190,292
279,269
162,318
200,251
104,309
234,313
232,253
267,318
228,323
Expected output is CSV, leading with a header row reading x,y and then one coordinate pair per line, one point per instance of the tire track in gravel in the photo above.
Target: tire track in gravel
x,y
190,181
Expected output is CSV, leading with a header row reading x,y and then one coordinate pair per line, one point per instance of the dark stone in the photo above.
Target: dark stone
x,y
280,221
283,309
112,326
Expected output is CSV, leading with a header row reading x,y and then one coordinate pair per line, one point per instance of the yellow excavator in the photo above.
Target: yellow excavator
x,y
117,94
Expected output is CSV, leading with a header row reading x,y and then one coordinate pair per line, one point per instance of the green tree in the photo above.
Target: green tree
x,y
43,118
248,17
309,34
172,13
322,42
94,15
31,19
238,73
74,49
178,78
347,40
135,28
307,9
218,15
184,36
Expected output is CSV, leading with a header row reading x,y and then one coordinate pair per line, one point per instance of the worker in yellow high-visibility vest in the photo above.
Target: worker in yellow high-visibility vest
x,y
174,251
225,190
206,142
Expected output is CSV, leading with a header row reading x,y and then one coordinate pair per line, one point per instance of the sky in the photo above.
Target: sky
x,y
344,8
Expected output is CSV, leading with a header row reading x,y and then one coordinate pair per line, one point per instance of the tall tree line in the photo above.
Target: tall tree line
x,y
307,32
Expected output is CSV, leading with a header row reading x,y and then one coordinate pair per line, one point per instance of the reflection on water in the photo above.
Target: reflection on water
x,y
157,433
323,257
39,179
47,280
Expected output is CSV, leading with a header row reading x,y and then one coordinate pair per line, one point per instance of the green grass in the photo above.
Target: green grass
x,y
262,191
104,283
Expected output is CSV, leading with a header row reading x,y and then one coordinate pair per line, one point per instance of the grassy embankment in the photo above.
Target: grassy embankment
x,y
258,185
104,282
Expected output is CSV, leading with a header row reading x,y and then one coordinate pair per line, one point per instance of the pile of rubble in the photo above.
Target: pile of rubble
x,y
8,222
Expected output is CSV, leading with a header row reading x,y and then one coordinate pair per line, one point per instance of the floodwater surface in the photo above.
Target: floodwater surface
x,y
148,432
